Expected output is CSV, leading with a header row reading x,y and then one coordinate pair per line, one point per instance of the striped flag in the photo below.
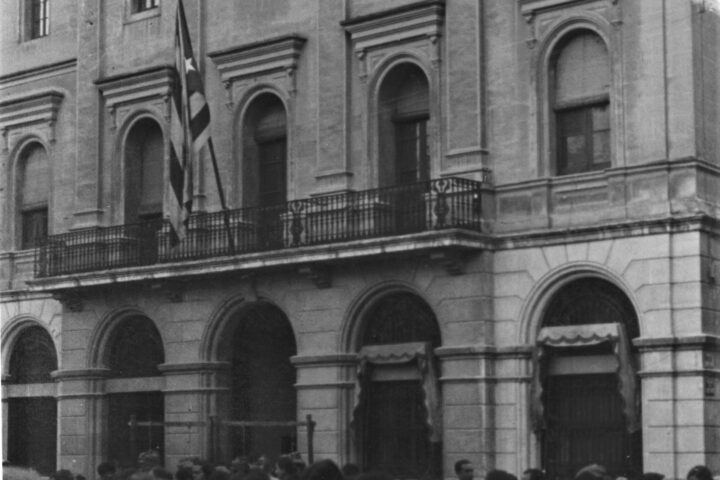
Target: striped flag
x,y
189,129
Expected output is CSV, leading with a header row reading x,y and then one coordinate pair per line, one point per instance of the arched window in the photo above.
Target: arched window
x,y
34,188
398,391
403,115
144,172
136,413
580,93
265,152
32,420
586,381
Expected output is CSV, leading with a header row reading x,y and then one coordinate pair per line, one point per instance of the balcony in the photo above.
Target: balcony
x,y
436,205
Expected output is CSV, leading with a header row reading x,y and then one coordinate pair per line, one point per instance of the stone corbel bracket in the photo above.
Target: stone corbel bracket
x,y
260,61
70,300
30,109
151,87
319,275
417,23
451,260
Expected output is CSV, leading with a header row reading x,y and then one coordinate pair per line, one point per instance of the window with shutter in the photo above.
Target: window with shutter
x,y
581,104
34,179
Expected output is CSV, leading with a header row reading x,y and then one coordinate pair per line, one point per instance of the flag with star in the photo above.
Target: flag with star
x,y
189,129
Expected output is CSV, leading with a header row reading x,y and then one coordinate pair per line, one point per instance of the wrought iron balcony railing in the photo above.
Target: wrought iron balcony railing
x,y
436,204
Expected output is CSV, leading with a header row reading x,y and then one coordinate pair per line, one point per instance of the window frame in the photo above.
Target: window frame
x,y
585,107
37,19
22,209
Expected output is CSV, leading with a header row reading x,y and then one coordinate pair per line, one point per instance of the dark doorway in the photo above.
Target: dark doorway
x,y
263,381
32,433
128,414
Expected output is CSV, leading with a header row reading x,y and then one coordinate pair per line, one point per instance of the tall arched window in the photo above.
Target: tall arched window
x,y
265,152
32,420
144,172
395,420
586,385
136,413
580,96
403,115
34,188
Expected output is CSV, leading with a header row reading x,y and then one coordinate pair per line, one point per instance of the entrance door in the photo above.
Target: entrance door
x,y
32,433
585,425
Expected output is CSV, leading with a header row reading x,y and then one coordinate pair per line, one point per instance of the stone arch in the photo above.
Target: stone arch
x,y
544,289
13,330
354,317
375,84
547,48
255,338
104,334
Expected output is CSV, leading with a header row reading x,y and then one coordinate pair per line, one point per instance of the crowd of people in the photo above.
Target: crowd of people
x,y
291,467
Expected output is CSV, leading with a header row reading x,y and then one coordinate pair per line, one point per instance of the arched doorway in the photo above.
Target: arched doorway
x,y
585,385
136,405
396,414
264,166
259,343
32,409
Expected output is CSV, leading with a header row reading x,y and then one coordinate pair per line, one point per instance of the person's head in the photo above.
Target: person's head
x,y
141,475
62,475
699,472
220,473
464,469
534,474
160,473
592,472
323,470
374,475
106,470
201,470
148,459
499,475
350,471
652,476
285,467
256,474
256,460
184,473
239,464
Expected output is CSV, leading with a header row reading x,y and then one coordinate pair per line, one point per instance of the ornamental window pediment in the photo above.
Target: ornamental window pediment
x,y
272,62
414,28
148,89
33,112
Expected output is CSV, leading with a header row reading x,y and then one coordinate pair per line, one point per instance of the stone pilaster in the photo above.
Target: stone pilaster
x,y
195,395
82,411
680,403
325,385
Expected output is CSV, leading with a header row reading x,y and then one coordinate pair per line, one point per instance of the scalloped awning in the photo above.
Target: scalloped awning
x,y
420,353
574,336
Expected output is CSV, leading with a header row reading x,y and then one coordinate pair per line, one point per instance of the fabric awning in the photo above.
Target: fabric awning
x,y
573,336
417,353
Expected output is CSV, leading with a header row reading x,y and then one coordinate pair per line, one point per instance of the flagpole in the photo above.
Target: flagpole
x,y
223,205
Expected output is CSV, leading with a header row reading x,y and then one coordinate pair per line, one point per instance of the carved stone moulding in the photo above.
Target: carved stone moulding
x,y
421,21
260,60
38,107
140,88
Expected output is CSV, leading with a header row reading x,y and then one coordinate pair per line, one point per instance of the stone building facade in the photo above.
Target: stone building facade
x,y
482,229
